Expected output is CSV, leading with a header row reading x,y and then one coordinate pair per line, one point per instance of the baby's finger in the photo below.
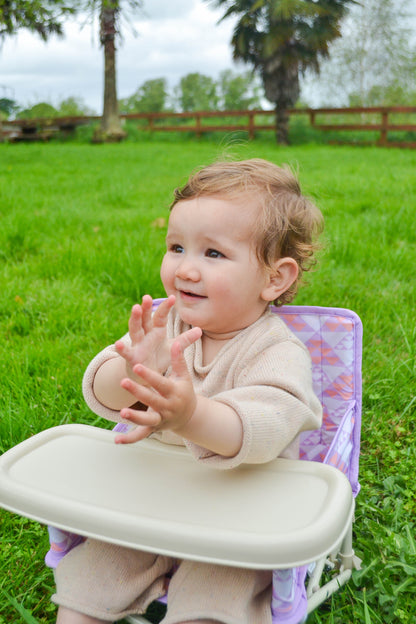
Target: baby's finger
x,y
147,418
121,348
137,434
160,316
153,379
147,322
179,367
189,337
136,331
154,397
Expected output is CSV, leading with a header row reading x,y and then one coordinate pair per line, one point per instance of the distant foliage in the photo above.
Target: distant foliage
x,y
151,97
7,107
373,63
42,109
195,91
74,107
239,91
68,107
43,17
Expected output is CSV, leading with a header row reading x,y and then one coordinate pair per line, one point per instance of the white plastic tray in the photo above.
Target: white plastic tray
x,y
156,497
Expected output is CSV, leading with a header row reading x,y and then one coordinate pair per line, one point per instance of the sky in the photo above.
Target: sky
x,y
173,38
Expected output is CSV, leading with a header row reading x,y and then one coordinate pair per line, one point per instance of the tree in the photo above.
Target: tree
x,y
68,107
150,97
7,107
73,107
281,39
197,92
373,63
238,91
43,17
38,111
110,121
110,14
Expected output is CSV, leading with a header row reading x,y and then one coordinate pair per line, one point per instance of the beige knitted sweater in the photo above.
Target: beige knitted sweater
x,y
263,373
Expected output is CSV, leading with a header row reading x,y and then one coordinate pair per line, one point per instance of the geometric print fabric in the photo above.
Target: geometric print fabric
x,y
331,338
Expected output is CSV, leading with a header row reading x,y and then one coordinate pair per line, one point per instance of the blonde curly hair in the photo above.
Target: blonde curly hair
x,y
288,223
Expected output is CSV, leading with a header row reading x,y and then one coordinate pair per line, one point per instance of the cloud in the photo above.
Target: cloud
x,y
173,39
176,46
160,9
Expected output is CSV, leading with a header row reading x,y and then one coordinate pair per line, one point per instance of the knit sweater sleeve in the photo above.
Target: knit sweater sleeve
x,y
274,399
88,384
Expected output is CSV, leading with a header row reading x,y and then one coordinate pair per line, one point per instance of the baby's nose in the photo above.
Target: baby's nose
x,y
188,270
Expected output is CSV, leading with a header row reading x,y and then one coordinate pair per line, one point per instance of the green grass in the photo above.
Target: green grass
x,y
81,239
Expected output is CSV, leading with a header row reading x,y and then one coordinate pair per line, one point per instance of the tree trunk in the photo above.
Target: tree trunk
x,y
111,129
281,86
282,125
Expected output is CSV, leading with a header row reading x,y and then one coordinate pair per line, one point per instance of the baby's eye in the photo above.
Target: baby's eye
x,y
176,248
214,253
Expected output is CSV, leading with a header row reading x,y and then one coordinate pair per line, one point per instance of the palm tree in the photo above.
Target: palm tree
x,y
43,17
110,12
281,39
110,121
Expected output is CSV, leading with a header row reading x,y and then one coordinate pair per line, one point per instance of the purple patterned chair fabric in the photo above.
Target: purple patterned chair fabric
x,y
333,337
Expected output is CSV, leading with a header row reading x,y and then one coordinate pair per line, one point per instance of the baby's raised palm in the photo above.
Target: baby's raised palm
x,y
149,343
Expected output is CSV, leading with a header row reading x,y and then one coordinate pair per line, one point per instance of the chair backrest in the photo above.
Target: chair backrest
x,y
334,339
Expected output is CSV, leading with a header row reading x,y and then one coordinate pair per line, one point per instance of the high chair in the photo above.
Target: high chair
x,y
292,517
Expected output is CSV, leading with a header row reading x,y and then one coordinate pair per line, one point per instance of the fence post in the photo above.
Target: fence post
x,y
384,127
198,125
312,117
251,124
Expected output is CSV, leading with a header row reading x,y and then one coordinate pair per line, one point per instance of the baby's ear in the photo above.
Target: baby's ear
x,y
282,275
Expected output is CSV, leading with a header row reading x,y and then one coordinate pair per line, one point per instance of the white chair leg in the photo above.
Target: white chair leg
x,y
327,590
348,559
314,582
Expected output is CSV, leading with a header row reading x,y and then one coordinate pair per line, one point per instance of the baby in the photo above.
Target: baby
x,y
212,369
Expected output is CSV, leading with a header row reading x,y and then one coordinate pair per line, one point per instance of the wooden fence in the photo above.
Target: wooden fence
x,y
379,121
41,129
374,119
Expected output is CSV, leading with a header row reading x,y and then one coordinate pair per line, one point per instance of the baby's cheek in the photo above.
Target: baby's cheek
x,y
223,289
167,275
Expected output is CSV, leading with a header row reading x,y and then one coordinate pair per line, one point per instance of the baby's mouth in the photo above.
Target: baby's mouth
x,y
187,293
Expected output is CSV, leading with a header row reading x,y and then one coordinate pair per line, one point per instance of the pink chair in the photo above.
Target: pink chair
x,y
334,339
318,493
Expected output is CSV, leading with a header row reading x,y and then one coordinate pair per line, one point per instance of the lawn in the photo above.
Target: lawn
x,y
81,238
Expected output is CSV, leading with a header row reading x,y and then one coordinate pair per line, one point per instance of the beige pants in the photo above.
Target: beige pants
x,y
109,582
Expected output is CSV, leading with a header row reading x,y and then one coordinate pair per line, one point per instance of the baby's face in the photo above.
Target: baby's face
x,y
211,265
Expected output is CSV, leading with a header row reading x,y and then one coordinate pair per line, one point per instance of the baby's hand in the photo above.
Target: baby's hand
x,y
171,400
148,336
149,344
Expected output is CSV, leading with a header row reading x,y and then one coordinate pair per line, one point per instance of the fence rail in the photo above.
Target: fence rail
x,y
366,119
